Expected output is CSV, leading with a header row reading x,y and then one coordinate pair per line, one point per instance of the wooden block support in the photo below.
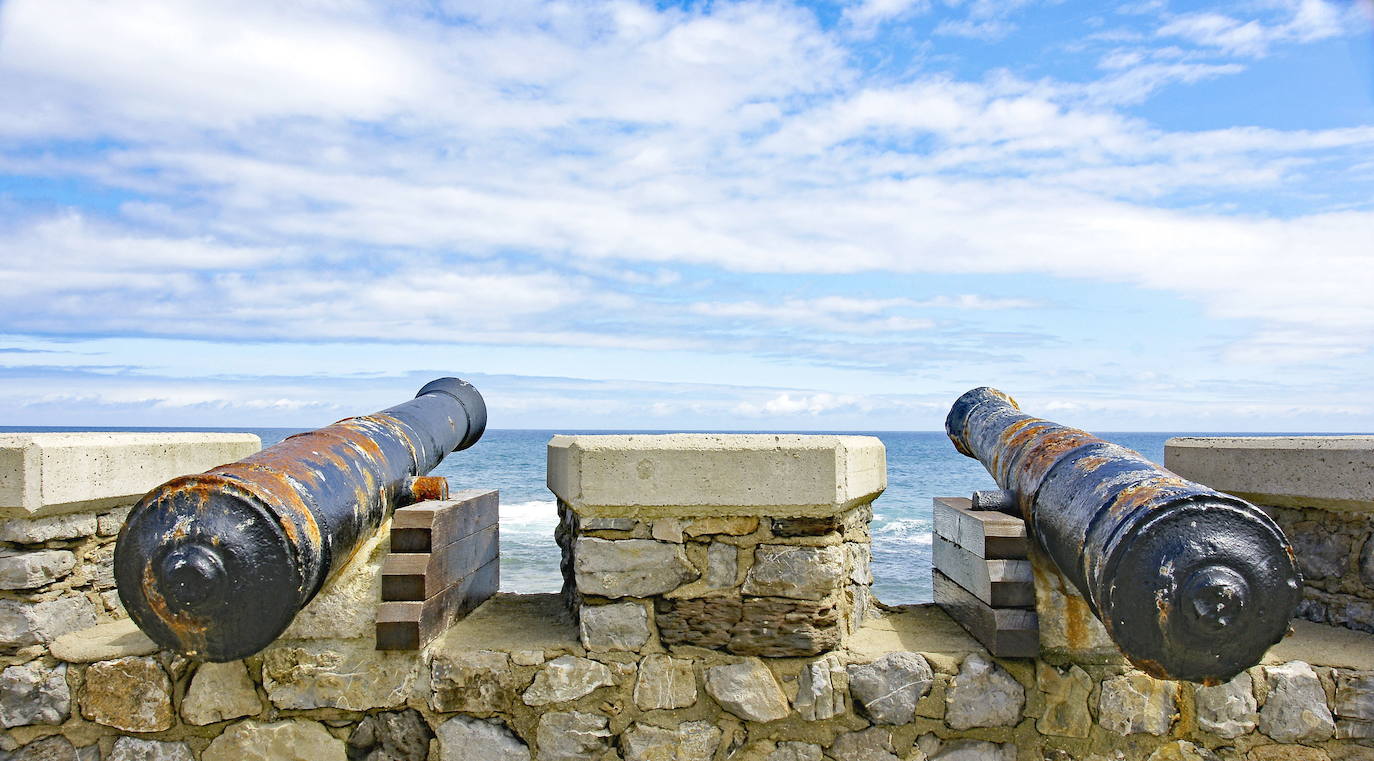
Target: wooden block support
x,y
985,533
444,562
1005,632
422,575
412,625
423,526
999,583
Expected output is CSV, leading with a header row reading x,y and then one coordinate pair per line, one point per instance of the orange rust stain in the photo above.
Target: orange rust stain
x,y
188,629
424,488
1153,668
1092,463
1076,623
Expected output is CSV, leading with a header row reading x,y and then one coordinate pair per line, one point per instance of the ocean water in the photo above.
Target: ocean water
x,y
920,466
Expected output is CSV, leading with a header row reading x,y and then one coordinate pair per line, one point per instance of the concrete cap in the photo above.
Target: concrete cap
x,y
688,475
51,473
1331,472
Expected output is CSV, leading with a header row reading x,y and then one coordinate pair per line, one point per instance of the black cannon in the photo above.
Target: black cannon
x,y
217,565
1190,583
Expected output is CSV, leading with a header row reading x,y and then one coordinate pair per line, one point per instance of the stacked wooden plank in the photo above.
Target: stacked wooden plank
x,y
443,563
982,577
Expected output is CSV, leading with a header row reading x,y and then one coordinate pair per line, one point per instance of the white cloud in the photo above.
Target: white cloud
x,y
866,14
1301,21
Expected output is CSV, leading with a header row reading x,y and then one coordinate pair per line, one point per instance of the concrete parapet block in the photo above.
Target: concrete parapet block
x,y
756,545
697,475
1327,472
52,473
1320,491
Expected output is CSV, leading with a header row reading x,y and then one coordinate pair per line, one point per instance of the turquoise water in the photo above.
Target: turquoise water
x,y
920,466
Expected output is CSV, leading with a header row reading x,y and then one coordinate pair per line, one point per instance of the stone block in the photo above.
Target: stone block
x,y
664,682
38,530
391,736
29,570
1367,563
1320,552
109,524
566,678
572,736
33,623
1066,693
618,626
1354,696
33,693
135,749
479,681
46,473
889,688
351,676
771,627
629,567
98,566
696,475
1135,703
1329,472
691,741
806,573
464,738
983,694
794,751
54,748
106,642
872,744
1296,709
291,740
747,690
819,695
1228,710
722,565
133,694
219,692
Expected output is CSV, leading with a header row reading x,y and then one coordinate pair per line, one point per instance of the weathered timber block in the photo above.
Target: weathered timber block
x,y
999,583
421,575
985,533
412,625
769,627
425,526
1005,632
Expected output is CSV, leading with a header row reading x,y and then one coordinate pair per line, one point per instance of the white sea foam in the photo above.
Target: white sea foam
x,y
535,516
903,531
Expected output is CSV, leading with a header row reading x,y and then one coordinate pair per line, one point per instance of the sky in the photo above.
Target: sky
x,y
1143,215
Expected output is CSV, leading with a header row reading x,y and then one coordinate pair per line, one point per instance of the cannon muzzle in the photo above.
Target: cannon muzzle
x,y
1189,582
217,565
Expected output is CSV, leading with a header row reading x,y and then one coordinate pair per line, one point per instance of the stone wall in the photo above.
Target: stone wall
x,y
1320,490
759,547
521,680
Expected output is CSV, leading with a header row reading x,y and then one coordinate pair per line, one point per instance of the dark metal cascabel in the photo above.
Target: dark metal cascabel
x,y
1189,582
217,565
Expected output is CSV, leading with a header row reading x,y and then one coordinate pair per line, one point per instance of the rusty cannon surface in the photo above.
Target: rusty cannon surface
x,y
217,565
1190,583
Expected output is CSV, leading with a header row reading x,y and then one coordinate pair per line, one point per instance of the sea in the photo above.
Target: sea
x,y
921,465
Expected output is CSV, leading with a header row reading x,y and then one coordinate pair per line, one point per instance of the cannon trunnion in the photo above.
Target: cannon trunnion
x,y
1189,582
217,565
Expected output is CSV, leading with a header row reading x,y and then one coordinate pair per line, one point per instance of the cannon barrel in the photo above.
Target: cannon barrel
x,y
1190,583
217,565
